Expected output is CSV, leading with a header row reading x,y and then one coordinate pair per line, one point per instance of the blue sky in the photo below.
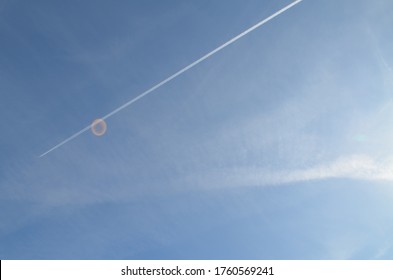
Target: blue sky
x,y
277,147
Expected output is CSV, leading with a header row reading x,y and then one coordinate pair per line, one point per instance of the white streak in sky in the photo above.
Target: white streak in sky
x,y
179,72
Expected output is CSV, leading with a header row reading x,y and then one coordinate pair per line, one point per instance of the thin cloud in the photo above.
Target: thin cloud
x,y
357,167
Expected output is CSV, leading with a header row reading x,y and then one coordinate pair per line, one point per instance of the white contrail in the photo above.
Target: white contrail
x,y
179,73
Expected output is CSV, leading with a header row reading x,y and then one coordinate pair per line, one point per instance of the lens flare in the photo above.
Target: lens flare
x,y
98,127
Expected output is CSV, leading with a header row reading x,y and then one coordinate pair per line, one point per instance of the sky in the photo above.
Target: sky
x,y
277,147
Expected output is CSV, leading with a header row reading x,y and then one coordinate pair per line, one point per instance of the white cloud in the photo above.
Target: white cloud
x,y
358,167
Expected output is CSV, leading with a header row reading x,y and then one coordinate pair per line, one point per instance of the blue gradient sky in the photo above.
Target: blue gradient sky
x,y
278,147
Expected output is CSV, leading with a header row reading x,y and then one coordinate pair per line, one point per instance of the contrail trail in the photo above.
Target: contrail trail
x,y
234,39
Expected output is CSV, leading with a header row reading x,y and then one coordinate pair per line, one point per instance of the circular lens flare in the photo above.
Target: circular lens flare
x,y
98,127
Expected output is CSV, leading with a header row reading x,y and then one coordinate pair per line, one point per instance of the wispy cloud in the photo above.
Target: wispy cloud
x,y
357,167
352,167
